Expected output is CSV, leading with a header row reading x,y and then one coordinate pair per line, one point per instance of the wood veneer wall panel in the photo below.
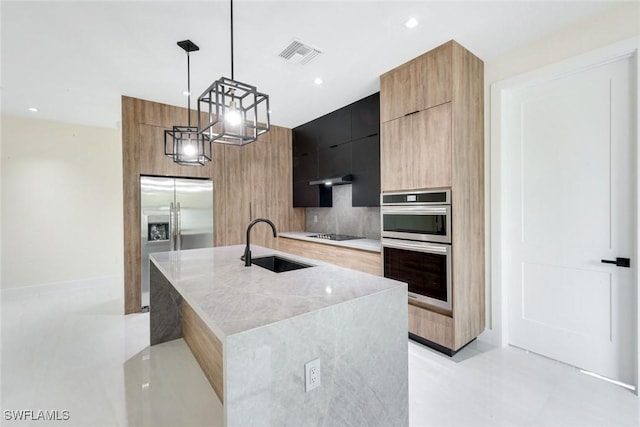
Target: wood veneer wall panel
x,y
131,204
205,346
219,183
355,259
236,195
270,176
468,196
262,180
143,125
293,218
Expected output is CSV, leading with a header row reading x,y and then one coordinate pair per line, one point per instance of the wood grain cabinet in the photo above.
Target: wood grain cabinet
x,y
355,259
431,136
416,85
416,150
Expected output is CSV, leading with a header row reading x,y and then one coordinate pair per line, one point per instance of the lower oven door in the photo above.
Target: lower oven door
x,y
425,267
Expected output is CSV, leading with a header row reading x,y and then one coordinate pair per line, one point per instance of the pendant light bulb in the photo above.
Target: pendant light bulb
x,y
233,115
189,149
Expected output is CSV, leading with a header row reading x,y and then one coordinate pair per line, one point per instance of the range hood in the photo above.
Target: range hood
x,y
338,180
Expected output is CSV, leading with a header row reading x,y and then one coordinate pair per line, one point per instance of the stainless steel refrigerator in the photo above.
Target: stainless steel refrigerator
x,y
175,214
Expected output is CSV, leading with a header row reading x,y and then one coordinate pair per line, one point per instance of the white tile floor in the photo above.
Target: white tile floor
x,y
72,350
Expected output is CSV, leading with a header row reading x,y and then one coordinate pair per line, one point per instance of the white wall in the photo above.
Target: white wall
x,y
61,202
619,23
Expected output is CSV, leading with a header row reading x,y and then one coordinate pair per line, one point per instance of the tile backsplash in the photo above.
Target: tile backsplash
x,y
343,218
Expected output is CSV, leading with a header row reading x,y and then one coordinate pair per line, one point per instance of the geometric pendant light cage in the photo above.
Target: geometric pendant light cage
x,y
232,112
237,113
186,145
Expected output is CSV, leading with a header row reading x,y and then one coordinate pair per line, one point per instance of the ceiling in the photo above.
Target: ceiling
x,y
73,60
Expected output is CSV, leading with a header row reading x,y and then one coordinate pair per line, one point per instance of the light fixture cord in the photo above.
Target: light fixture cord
x,y
188,90
232,40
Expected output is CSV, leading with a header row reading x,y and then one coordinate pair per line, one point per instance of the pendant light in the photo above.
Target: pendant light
x,y
184,144
235,112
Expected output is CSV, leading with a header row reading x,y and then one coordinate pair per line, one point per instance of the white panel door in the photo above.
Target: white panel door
x,y
568,204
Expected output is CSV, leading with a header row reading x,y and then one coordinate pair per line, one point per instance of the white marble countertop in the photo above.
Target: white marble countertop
x,y
371,245
232,298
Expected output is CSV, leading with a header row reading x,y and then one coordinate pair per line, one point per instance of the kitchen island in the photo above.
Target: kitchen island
x,y
253,331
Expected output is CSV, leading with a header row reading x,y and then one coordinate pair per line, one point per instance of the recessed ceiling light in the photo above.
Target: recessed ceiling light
x,y
318,81
33,109
411,23
186,93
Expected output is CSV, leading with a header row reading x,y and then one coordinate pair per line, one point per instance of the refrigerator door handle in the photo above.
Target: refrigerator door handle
x,y
172,229
179,227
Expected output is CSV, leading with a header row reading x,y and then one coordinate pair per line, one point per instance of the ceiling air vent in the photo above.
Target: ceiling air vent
x,y
299,53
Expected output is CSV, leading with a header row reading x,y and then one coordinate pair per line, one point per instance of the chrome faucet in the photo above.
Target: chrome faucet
x,y
247,250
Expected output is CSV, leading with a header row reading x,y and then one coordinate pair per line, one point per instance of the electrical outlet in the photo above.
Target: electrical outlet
x,y
315,218
311,375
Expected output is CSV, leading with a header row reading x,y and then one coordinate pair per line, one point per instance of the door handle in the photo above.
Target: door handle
x,y
619,262
178,227
172,228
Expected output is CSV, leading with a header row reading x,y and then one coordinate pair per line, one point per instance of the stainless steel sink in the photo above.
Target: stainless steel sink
x,y
278,264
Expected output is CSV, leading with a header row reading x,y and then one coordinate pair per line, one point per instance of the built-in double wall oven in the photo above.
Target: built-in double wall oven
x,y
416,243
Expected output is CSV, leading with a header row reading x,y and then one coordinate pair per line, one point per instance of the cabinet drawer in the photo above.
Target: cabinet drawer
x,y
432,326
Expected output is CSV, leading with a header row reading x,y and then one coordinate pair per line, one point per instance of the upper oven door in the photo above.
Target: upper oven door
x,y
423,223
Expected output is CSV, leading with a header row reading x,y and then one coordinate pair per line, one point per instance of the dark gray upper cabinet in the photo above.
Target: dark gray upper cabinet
x,y
334,161
305,152
365,117
365,155
334,128
339,143
311,196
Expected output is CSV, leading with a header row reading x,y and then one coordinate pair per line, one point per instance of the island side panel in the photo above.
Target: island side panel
x,y
205,346
165,308
362,346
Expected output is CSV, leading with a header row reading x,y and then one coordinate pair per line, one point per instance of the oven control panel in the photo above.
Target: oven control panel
x,y
419,197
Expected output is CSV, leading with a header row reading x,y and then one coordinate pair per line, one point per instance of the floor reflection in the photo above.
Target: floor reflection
x,y
164,386
73,350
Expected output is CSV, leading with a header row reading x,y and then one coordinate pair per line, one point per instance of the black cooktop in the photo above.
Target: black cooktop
x,y
336,237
